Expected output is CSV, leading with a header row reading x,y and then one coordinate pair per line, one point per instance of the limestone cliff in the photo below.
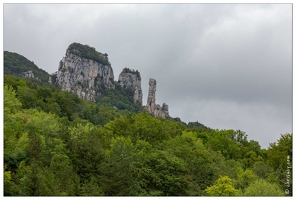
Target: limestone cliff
x,y
87,73
83,71
131,79
28,74
153,108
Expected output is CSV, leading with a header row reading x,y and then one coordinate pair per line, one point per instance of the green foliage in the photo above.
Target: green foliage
x,y
91,188
86,51
223,187
278,152
195,125
15,138
117,177
61,103
15,64
279,157
197,159
127,70
64,178
225,141
7,175
263,188
121,98
11,103
86,154
261,169
250,158
144,127
56,144
165,175
245,178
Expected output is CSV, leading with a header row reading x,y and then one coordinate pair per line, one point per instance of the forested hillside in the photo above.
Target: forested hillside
x,y
16,64
56,144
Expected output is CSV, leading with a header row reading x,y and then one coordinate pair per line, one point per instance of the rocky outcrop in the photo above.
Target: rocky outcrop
x,y
83,75
153,108
131,79
28,74
87,73
49,80
151,96
161,111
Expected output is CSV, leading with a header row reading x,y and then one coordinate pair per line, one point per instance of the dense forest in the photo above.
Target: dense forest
x,y
56,144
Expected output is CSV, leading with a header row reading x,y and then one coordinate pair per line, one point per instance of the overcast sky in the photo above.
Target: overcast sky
x,y
228,66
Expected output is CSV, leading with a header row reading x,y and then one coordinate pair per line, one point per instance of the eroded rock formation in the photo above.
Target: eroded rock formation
x,y
84,76
153,108
28,74
49,80
87,73
132,80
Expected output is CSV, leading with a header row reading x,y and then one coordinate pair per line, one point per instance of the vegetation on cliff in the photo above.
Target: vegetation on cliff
x,y
131,71
120,98
86,51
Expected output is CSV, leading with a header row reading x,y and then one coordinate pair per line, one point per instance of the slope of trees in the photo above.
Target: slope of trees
x,y
61,103
16,64
56,144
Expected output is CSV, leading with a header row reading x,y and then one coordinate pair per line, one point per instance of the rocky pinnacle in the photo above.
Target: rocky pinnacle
x,y
153,108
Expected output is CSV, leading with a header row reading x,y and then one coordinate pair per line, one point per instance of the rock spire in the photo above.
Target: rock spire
x,y
153,108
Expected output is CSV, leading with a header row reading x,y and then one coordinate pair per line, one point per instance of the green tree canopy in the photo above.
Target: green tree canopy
x,y
223,187
263,188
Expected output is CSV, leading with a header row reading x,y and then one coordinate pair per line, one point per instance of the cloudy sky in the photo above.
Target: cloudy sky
x,y
228,66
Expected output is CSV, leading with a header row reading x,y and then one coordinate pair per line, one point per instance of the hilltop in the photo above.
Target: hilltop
x,y
17,65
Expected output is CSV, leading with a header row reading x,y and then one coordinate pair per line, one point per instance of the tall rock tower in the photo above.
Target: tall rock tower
x,y
131,79
153,108
84,71
151,96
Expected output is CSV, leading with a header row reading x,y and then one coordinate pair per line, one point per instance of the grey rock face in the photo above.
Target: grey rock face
x,y
49,80
84,76
153,108
132,81
28,74
151,96
165,109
